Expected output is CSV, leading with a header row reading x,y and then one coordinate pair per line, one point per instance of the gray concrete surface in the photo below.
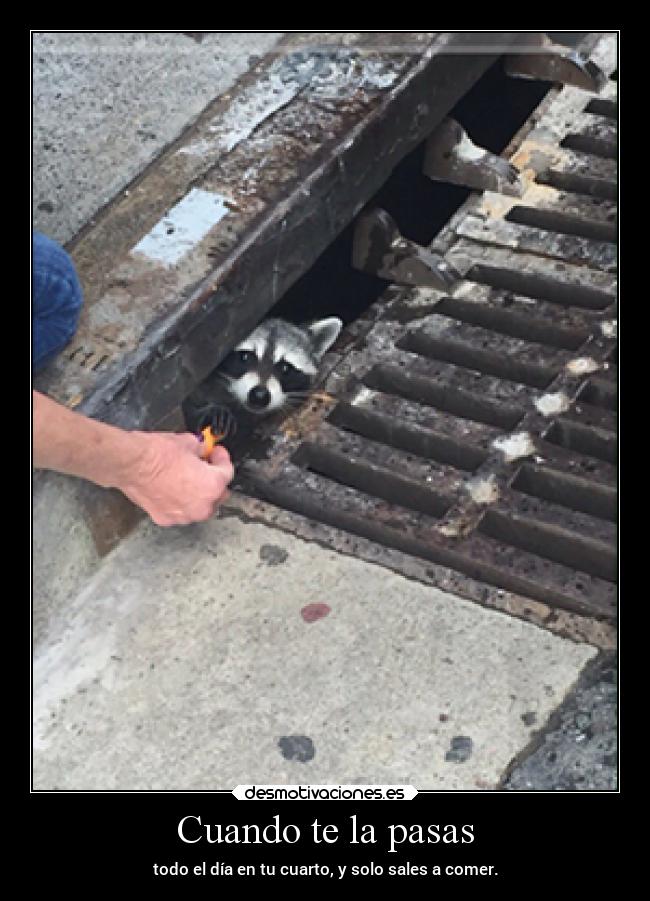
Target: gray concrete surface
x,y
106,104
189,662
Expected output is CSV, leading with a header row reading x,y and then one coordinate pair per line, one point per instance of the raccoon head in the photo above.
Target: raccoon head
x,y
278,362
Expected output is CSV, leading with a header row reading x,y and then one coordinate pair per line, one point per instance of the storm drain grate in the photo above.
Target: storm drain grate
x,y
478,431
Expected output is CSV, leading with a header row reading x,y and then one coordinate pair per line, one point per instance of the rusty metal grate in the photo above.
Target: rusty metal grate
x,y
478,431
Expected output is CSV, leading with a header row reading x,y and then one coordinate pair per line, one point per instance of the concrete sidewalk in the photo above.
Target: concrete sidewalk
x,y
192,659
106,104
187,663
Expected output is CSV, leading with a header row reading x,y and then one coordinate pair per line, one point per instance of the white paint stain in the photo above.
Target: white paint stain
x,y
515,446
243,116
450,530
467,150
551,404
582,366
284,81
183,227
363,395
483,491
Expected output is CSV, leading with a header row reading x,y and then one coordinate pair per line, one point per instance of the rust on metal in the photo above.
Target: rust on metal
x,y
550,61
379,249
451,156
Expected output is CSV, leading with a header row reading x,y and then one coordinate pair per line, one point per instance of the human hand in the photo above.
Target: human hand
x,y
172,483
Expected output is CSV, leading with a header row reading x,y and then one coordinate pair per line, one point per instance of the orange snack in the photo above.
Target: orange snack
x,y
210,441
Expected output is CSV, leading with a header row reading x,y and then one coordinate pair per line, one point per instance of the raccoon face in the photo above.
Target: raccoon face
x,y
277,362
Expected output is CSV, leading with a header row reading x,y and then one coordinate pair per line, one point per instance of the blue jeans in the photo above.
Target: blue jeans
x,y
56,300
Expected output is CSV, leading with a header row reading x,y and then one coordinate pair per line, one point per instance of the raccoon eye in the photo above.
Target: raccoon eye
x,y
285,368
246,356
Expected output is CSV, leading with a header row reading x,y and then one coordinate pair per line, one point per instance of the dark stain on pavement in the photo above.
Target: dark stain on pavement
x,y
297,747
272,554
460,749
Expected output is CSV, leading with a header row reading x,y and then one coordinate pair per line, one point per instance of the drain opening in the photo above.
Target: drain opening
x,y
393,380
588,144
601,106
492,112
372,480
416,440
579,184
563,223
540,287
486,361
568,490
516,325
589,441
553,542
600,394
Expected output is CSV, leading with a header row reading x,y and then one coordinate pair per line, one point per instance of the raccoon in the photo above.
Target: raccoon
x,y
276,365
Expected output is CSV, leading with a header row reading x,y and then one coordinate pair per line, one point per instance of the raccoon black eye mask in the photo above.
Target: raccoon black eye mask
x,y
277,364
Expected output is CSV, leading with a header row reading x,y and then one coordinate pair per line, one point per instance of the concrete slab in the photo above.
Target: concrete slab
x,y
107,103
189,662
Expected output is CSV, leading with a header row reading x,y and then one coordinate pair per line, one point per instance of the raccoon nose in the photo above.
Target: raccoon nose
x,y
259,396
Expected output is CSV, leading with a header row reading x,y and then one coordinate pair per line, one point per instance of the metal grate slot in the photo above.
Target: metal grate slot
x,y
588,144
589,555
609,374
601,106
568,490
579,184
514,394
411,438
476,435
505,367
516,325
372,480
592,416
461,403
600,394
563,223
585,440
554,456
553,515
415,467
540,287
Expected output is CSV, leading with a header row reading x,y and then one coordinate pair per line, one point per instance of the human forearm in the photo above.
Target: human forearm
x,y
70,443
162,472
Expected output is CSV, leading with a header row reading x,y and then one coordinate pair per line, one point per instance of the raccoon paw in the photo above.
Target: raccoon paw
x,y
219,419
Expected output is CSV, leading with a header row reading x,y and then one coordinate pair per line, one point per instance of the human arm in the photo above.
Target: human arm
x,y
161,472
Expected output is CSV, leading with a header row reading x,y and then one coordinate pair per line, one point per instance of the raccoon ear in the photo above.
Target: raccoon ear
x,y
324,333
